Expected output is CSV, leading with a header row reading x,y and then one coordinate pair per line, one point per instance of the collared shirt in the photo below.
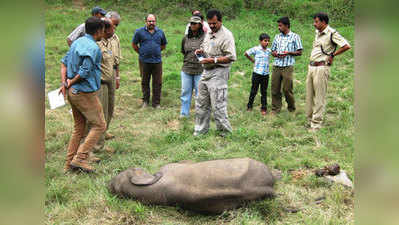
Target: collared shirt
x,y
219,44
107,61
110,56
84,58
261,65
79,31
116,49
149,44
291,43
324,39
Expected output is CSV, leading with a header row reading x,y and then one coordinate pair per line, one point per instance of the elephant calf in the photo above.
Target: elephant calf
x,y
208,187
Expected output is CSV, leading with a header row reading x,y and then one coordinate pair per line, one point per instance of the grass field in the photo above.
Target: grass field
x,y
151,138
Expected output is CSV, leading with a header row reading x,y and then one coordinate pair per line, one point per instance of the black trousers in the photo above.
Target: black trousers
x,y
263,82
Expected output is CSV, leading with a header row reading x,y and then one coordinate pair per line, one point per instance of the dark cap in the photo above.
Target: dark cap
x,y
97,9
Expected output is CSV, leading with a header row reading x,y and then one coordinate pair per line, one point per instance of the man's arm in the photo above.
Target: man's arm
x,y
117,77
63,71
249,57
135,47
69,42
295,53
338,52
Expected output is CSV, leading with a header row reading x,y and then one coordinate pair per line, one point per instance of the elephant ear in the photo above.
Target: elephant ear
x,y
141,178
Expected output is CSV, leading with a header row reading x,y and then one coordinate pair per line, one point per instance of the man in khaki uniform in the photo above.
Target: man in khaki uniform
x,y
321,58
110,48
218,50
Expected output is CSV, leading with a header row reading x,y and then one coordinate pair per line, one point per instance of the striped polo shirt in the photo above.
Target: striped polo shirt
x,y
291,43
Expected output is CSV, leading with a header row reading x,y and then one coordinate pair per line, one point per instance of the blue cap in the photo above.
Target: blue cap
x,y
97,9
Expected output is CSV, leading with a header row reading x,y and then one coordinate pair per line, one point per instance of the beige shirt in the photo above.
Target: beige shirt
x,y
110,49
219,44
323,39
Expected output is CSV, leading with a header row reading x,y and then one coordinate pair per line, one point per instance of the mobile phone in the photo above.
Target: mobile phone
x,y
200,57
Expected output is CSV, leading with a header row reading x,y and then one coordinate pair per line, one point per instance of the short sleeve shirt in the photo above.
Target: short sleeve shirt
x,y
84,58
290,42
324,39
77,33
220,44
107,62
261,65
149,44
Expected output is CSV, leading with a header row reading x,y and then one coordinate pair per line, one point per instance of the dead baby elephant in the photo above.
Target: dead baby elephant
x,y
207,187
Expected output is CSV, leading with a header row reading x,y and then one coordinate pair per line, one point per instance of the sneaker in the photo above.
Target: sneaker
x,y
249,109
263,112
157,107
82,164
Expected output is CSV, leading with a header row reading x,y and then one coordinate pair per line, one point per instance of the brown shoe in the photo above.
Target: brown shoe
x,y
108,136
82,164
97,148
93,158
109,149
263,112
67,167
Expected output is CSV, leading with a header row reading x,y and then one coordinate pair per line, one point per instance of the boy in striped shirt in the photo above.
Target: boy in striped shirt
x,y
260,75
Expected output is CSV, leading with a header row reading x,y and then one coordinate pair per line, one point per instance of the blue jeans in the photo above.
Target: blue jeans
x,y
188,83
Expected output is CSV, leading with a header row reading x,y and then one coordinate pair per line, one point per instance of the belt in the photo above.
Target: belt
x,y
322,63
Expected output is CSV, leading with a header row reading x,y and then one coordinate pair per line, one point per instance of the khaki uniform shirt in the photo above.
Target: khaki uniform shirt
x,y
110,49
219,44
324,39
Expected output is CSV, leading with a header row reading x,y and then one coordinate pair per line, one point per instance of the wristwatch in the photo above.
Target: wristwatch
x,y
215,60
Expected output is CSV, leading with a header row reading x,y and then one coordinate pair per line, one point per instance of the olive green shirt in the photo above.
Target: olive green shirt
x,y
219,44
191,65
324,39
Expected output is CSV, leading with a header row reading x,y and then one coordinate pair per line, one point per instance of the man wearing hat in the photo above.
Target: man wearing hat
x,y
80,30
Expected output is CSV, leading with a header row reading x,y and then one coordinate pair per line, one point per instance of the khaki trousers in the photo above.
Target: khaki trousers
x,y
282,78
212,96
316,91
86,109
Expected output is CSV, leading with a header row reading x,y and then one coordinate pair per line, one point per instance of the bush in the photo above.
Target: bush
x,y
340,11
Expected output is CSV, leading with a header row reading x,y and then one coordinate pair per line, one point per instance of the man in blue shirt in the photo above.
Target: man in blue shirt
x,y
285,46
148,42
81,79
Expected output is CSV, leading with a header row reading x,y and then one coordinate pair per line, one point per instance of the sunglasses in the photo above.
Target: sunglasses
x,y
192,23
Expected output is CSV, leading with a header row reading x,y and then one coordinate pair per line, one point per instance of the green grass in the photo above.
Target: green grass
x,y
151,138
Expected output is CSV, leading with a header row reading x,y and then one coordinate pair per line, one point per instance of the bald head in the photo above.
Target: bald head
x,y
150,22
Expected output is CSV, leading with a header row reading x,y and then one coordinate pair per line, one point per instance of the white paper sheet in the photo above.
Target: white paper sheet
x,y
56,100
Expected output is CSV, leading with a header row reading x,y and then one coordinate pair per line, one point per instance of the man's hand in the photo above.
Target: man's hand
x,y
63,91
330,60
69,83
207,61
117,83
198,51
